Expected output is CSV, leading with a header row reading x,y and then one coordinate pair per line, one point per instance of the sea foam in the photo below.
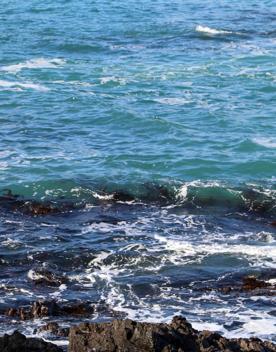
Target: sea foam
x,y
19,86
33,64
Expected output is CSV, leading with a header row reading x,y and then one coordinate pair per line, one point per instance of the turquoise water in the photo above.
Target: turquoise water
x,y
150,130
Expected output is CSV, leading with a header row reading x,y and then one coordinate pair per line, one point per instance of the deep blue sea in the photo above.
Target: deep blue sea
x,y
138,159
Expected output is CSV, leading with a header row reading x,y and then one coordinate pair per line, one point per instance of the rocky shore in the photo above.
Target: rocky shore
x,y
131,336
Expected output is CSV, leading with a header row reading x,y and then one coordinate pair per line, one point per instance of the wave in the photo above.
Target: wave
x,y
265,142
61,196
33,64
20,86
212,31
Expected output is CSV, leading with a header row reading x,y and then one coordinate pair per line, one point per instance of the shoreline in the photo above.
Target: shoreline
x,y
131,336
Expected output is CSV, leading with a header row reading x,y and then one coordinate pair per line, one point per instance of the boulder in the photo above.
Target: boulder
x,y
20,343
179,336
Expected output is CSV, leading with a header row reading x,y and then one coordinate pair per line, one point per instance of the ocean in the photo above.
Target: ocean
x,y
137,160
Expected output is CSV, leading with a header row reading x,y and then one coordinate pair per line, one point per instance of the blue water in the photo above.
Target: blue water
x,y
147,132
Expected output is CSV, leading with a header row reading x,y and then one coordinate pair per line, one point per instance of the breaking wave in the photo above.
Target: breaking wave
x,y
53,197
33,64
212,31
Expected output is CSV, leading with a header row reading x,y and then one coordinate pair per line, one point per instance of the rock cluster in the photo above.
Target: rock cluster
x,y
131,336
179,336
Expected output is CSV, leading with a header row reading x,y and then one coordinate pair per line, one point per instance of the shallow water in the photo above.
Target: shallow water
x,y
148,130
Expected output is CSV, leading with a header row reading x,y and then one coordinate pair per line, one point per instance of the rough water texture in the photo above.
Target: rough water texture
x,y
137,163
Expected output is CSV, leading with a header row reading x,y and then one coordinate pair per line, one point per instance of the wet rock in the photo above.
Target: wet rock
x,y
78,309
251,283
54,329
19,343
121,196
43,276
42,309
38,309
32,207
248,284
213,342
179,336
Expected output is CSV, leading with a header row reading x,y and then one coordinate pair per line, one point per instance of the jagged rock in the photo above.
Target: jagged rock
x,y
54,329
19,343
248,284
179,336
42,309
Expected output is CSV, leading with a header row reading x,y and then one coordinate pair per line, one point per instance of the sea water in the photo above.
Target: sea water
x,y
148,129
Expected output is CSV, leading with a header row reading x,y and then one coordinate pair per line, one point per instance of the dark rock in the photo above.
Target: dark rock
x,y
251,283
54,329
42,309
248,284
19,343
32,207
43,276
179,336
121,196
78,309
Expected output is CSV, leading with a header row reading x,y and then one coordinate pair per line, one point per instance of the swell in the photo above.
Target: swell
x,y
63,196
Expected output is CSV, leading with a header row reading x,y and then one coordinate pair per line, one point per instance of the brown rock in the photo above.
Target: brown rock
x,y
179,336
42,309
251,283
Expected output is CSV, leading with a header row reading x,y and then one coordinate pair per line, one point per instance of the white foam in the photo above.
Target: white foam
x,y
211,31
114,79
12,244
33,64
173,101
183,251
19,86
32,275
183,191
265,142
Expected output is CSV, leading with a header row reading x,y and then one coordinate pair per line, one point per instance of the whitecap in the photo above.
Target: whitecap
x,y
211,31
19,86
173,101
10,243
265,142
33,64
113,79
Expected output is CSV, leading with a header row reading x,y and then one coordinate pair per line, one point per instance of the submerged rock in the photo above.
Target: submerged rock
x,y
43,276
249,284
32,207
179,336
19,343
252,283
54,329
42,309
